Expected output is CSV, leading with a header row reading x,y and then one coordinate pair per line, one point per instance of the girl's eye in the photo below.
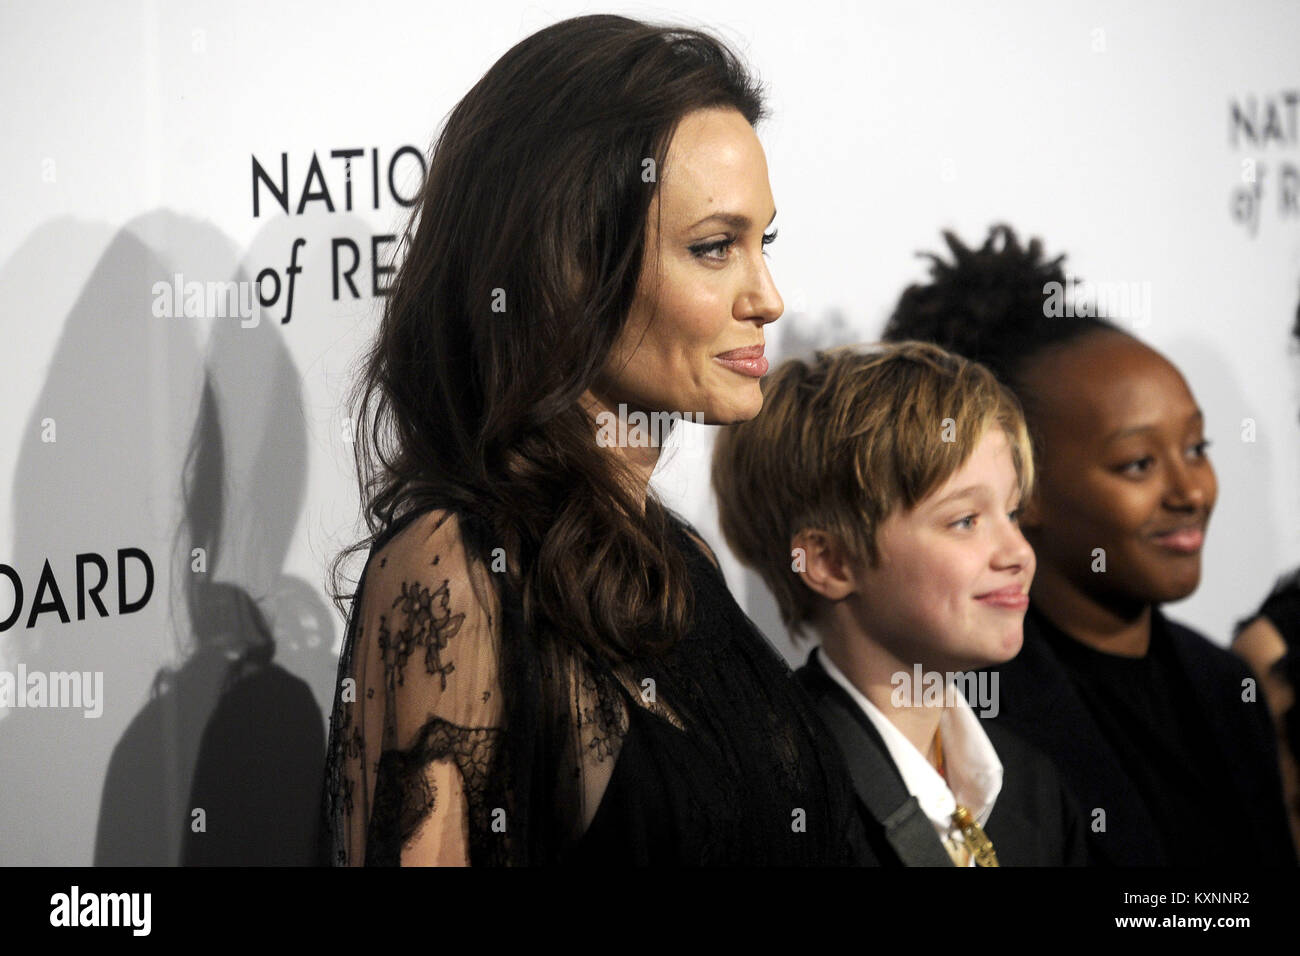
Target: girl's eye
x,y
1015,515
1200,447
965,523
1137,467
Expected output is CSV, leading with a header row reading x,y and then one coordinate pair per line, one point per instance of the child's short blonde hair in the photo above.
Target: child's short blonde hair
x,y
842,442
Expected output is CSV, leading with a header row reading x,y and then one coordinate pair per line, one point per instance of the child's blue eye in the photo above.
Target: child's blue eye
x,y
1015,515
965,523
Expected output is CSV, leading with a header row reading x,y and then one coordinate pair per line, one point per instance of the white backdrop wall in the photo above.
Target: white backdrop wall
x,y
130,135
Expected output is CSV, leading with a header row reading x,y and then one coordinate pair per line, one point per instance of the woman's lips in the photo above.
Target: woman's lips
x,y
1183,541
1010,598
747,361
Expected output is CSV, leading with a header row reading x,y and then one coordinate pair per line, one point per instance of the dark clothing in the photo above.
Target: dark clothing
x,y
752,781
1282,609
1034,822
718,757
1169,763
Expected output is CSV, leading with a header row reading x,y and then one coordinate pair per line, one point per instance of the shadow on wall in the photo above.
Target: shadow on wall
x,y
199,460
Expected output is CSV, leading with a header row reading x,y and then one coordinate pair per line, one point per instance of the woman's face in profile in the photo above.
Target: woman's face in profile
x,y
694,337
1123,469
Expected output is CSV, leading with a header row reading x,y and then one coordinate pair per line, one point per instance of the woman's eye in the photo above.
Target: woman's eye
x,y
1200,447
1015,515
705,250
709,250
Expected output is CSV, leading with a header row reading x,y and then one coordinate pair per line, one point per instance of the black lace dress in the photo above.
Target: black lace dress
x,y
442,751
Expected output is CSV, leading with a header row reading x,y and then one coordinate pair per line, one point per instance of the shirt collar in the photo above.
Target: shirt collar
x,y
973,765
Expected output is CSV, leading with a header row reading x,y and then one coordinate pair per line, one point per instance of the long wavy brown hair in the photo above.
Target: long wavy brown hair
x,y
521,264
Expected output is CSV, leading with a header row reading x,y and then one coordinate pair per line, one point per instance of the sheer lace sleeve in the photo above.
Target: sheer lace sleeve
x,y
411,775
422,759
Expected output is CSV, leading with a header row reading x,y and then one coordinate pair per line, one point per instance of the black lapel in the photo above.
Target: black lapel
x,y
875,777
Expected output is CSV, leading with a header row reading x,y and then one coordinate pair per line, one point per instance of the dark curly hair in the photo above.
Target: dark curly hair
x,y
987,304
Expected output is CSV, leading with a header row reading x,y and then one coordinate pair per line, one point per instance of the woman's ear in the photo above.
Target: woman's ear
x,y
823,564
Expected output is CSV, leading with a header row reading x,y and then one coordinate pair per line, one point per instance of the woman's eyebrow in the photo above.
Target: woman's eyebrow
x,y
736,220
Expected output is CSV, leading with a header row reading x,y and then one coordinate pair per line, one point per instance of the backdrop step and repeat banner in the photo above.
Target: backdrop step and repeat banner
x,y
202,205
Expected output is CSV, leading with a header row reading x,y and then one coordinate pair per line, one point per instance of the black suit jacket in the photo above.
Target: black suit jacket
x,y
1034,821
1038,700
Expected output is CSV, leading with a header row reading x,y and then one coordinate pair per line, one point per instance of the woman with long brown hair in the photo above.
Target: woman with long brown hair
x,y
543,663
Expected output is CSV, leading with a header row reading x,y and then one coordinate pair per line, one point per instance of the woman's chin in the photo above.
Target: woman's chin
x,y
736,409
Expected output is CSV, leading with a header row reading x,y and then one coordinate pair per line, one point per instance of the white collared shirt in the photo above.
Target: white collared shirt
x,y
968,755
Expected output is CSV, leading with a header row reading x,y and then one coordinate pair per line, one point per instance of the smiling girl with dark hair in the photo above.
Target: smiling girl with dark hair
x,y
543,663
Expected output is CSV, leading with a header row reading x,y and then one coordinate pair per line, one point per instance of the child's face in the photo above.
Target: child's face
x,y
931,600
1123,471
